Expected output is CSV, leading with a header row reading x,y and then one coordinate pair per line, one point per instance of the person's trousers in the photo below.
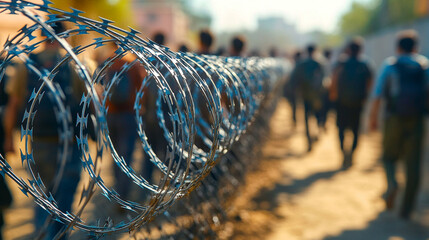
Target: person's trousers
x,y
123,133
292,102
308,112
403,139
45,154
348,117
5,195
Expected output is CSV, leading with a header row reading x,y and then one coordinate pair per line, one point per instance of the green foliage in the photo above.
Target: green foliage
x,y
364,19
401,11
326,40
355,22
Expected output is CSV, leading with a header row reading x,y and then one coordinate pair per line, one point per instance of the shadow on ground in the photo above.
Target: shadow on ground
x,y
271,196
385,227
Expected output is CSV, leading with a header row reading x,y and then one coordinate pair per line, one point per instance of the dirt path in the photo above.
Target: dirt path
x,y
296,195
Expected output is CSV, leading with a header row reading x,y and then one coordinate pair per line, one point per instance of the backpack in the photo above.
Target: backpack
x,y
311,78
3,103
120,93
3,95
45,121
352,82
410,97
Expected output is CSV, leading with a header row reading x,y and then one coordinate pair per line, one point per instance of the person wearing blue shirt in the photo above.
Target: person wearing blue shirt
x,y
402,83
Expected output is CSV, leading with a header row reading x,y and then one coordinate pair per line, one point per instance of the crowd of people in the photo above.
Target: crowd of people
x,y
322,85
347,85
316,80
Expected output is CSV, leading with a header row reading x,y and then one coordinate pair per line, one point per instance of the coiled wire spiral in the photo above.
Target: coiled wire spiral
x,y
204,106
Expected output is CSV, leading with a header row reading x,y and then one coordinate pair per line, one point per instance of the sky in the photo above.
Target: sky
x,y
307,15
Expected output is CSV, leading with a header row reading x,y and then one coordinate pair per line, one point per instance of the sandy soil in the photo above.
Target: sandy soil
x,y
299,195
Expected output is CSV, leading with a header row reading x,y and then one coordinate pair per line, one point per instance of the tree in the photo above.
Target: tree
x,y
356,20
402,11
364,19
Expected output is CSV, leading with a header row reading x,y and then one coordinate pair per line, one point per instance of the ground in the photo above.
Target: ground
x,y
297,195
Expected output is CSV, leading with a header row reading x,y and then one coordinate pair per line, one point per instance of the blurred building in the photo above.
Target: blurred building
x,y
165,16
278,27
173,18
275,24
271,32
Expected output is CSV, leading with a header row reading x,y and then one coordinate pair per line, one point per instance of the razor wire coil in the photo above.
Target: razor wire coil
x,y
204,105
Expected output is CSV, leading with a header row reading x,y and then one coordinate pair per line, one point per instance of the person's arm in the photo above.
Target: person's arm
x,y
16,88
425,65
373,115
377,95
369,80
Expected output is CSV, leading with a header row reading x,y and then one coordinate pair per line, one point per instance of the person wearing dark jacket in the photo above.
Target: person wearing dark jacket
x,y
351,82
403,84
307,78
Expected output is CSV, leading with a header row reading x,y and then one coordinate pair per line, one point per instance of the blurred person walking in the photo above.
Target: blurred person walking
x,y
47,144
351,82
153,131
238,43
121,115
290,89
206,42
307,78
322,114
183,48
159,38
403,83
5,195
273,52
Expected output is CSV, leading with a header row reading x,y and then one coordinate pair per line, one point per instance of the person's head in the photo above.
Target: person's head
x,y
206,40
159,38
237,46
327,53
297,56
311,48
58,28
183,48
407,41
273,52
355,46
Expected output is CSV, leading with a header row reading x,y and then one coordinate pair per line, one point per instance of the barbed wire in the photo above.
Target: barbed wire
x,y
204,106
